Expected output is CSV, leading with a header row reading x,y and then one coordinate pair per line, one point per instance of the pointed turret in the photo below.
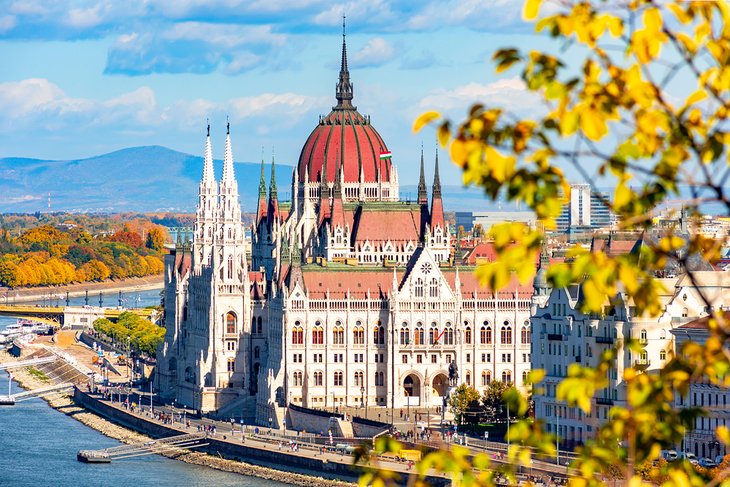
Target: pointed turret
x,y
208,172
228,175
262,204
422,191
205,215
273,212
437,206
344,86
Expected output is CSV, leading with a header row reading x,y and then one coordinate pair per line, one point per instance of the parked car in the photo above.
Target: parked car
x,y
689,456
707,463
719,459
669,455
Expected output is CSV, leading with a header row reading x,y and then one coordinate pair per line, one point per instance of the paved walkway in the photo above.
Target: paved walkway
x,y
311,445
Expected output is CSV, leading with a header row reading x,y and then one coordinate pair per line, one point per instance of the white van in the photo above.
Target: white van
x,y
669,455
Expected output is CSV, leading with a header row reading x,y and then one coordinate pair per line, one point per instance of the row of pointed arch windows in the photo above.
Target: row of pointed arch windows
x,y
338,334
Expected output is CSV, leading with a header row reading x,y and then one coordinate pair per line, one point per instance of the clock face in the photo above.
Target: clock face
x,y
426,268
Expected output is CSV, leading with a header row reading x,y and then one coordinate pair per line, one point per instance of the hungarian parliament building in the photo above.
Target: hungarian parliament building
x,y
344,296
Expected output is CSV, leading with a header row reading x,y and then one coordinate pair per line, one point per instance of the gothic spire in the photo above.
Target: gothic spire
x,y
228,157
272,184
422,191
262,181
344,86
436,179
208,175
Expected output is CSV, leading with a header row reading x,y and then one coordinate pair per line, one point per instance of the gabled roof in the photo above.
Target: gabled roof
x,y
397,222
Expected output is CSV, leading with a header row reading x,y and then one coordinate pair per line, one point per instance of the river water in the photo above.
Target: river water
x,y
38,447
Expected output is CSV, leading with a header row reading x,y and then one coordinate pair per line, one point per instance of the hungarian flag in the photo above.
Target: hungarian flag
x,y
385,154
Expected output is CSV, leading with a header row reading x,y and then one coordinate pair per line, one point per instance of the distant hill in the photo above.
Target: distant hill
x,y
150,178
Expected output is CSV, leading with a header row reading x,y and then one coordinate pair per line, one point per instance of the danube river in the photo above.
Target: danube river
x,y
38,447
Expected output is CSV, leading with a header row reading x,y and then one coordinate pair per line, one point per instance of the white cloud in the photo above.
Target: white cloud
x,y
7,22
477,14
510,93
376,52
83,18
358,12
41,104
224,35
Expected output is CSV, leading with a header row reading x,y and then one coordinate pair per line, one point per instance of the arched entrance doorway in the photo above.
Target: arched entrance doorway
x,y
412,390
440,385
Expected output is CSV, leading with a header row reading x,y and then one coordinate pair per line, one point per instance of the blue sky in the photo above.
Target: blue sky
x,y
80,78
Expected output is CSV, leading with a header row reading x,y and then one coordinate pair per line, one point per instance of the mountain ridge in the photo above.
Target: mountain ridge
x,y
144,178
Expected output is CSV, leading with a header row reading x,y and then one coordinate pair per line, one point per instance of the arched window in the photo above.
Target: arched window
x,y
505,334
485,334
507,377
338,334
359,382
378,334
524,377
230,267
525,334
379,379
662,354
318,378
317,335
358,335
297,378
468,378
231,365
486,378
260,327
419,288
448,335
297,334
643,335
433,334
405,338
419,335
338,379
467,335
434,288
231,323
256,352
644,357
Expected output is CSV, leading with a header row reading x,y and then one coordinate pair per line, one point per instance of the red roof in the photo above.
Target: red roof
x,y
358,282
344,137
437,213
486,251
701,323
396,225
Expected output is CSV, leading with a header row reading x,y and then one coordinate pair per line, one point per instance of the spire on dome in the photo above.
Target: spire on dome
x,y
208,174
344,86
422,191
436,178
228,157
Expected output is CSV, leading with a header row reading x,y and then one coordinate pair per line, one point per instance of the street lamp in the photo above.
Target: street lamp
x,y
362,396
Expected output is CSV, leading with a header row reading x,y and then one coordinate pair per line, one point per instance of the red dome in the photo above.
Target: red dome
x,y
346,138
